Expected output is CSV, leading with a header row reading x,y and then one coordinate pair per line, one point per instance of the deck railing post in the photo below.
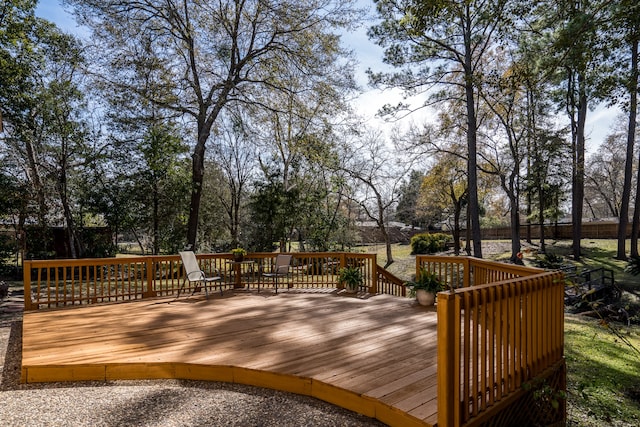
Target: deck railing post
x,y
467,272
26,281
149,288
374,275
448,392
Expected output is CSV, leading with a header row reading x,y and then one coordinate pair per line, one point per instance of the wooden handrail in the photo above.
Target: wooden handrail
x,y
68,282
453,271
390,284
493,337
459,272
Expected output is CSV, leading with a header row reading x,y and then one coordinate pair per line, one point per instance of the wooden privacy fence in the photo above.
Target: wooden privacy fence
x,y
58,283
500,333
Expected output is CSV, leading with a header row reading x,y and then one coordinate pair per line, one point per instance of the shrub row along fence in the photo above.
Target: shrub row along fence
x,y
59,283
500,335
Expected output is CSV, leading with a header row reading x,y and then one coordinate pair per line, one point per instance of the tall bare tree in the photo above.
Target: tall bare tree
x,y
237,159
604,176
369,163
209,53
452,36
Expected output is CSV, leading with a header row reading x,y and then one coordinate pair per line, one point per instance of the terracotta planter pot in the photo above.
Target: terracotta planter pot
x,y
351,288
425,298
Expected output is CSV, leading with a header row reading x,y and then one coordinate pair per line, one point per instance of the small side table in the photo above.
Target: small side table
x,y
237,271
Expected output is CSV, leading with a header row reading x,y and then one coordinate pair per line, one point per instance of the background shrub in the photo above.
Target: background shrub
x,y
429,243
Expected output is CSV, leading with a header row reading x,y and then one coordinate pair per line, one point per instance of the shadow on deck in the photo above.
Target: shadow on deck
x,y
375,356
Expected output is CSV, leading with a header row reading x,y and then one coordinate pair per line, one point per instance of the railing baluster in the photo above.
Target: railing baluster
x,y
510,331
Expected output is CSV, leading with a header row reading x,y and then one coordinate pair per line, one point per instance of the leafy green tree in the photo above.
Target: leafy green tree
x,y
207,54
271,208
443,194
20,58
161,186
10,206
44,114
297,143
409,192
322,223
548,174
108,193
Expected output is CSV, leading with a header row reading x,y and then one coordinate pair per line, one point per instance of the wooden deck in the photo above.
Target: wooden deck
x,y
376,356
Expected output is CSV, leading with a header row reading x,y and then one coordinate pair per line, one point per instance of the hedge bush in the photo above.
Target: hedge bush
x,y
429,243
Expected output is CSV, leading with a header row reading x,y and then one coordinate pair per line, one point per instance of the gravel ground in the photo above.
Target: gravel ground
x,y
147,403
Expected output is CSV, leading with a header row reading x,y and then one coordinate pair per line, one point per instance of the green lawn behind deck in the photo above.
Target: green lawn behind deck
x,y
603,378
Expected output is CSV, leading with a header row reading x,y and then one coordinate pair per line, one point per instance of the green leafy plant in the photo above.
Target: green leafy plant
x,y
350,277
238,252
426,280
550,261
546,398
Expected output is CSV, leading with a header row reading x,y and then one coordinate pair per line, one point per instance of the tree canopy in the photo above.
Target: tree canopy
x,y
213,124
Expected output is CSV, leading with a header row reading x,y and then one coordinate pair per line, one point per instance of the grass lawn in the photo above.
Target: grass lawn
x,y
603,374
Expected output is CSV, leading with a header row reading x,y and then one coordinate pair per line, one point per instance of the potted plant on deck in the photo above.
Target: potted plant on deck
x,y
238,254
425,287
351,278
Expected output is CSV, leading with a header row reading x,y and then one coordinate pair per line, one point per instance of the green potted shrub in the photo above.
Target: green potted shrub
x,y
238,254
351,278
425,287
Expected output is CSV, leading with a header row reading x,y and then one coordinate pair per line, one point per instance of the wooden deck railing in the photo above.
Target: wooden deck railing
x,y
459,272
499,327
58,283
390,284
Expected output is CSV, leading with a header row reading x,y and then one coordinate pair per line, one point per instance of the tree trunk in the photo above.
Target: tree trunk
x,y
197,178
71,229
61,186
541,206
577,201
197,169
628,164
456,227
635,228
472,169
156,220
529,212
33,172
515,229
467,244
387,242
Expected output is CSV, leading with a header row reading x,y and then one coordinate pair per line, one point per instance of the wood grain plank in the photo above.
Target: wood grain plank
x,y
358,353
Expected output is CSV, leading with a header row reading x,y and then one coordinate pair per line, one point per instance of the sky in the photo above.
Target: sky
x,y
368,55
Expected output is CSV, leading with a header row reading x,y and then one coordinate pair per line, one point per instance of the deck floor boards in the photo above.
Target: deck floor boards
x,y
375,355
